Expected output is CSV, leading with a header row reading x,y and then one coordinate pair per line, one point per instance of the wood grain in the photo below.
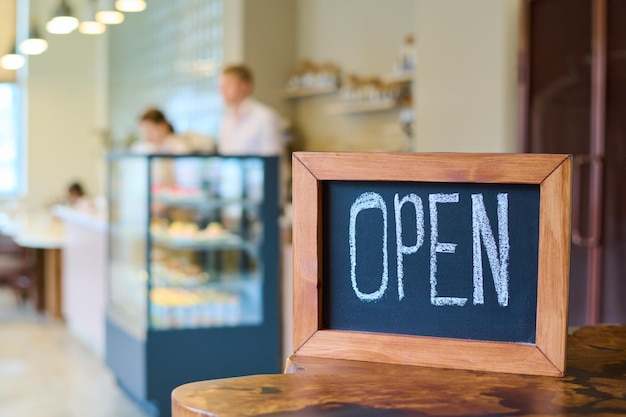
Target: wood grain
x,y
554,261
429,351
52,287
595,385
551,172
306,242
431,167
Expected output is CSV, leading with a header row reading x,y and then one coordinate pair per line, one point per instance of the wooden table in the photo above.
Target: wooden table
x,y
595,385
47,271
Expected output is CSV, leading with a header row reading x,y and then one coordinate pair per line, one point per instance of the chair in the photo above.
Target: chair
x,y
16,269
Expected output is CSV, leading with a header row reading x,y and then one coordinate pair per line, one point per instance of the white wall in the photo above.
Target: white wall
x,y
269,48
233,30
362,37
63,142
466,78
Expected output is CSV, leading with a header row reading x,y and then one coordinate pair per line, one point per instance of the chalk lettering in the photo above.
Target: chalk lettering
x,y
401,249
482,236
499,264
368,200
440,247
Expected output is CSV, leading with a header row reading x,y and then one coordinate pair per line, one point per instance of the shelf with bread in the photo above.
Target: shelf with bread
x,y
198,199
188,236
188,232
370,94
216,304
312,79
355,93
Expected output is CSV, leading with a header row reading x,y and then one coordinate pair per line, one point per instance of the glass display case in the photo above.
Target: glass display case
x,y
193,289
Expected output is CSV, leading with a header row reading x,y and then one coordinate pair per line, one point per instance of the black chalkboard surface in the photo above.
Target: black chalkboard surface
x,y
441,278
451,260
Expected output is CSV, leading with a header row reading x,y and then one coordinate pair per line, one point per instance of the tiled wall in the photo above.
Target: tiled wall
x,y
167,56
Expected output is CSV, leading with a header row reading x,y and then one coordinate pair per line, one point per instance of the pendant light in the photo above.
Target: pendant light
x,y
63,21
130,5
12,60
35,44
89,25
107,14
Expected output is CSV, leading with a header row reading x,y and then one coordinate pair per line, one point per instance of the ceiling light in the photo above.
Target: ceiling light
x,y
35,44
89,27
130,5
12,61
107,14
88,24
63,21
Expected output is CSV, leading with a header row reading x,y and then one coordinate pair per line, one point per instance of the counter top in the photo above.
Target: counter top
x,y
39,241
47,235
595,385
92,219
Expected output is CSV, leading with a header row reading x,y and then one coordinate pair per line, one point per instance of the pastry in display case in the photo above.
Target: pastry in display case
x,y
193,272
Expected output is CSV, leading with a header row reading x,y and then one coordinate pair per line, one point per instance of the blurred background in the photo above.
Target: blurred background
x,y
482,76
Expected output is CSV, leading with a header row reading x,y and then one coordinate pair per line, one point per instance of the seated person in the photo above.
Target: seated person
x,y
75,192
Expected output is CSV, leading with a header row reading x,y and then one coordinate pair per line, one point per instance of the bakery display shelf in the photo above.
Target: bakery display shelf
x,y
216,304
199,243
179,280
237,283
202,201
308,92
193,270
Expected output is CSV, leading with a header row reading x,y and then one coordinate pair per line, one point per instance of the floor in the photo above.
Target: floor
x,y
46,372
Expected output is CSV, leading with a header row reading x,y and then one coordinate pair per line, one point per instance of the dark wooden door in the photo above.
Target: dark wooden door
x,y
614,207
573,88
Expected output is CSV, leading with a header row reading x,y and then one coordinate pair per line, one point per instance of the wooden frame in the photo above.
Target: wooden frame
x,y
553,175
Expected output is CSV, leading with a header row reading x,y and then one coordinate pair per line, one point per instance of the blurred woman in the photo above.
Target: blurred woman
x,y
157,135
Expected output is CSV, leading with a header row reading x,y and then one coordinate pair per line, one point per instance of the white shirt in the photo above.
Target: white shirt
x,y
251,129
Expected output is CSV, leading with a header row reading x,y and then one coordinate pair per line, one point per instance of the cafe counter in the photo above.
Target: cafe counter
x,y
84,259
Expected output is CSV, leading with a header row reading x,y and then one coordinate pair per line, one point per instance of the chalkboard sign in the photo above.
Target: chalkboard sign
x,y
431,259
452,260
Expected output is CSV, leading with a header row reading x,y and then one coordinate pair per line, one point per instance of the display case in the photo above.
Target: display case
x,y
193,271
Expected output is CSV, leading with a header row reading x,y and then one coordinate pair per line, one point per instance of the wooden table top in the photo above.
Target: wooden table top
x,y
595,385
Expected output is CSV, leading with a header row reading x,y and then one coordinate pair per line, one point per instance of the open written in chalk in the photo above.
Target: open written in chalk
x,y
450,260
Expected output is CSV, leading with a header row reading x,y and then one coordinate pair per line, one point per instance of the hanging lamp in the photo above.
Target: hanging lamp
x,y
12,60
34,44
63,21
130,5
89,25
107,14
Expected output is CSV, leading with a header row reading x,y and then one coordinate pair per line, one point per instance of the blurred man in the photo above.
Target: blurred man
x,y
248,126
